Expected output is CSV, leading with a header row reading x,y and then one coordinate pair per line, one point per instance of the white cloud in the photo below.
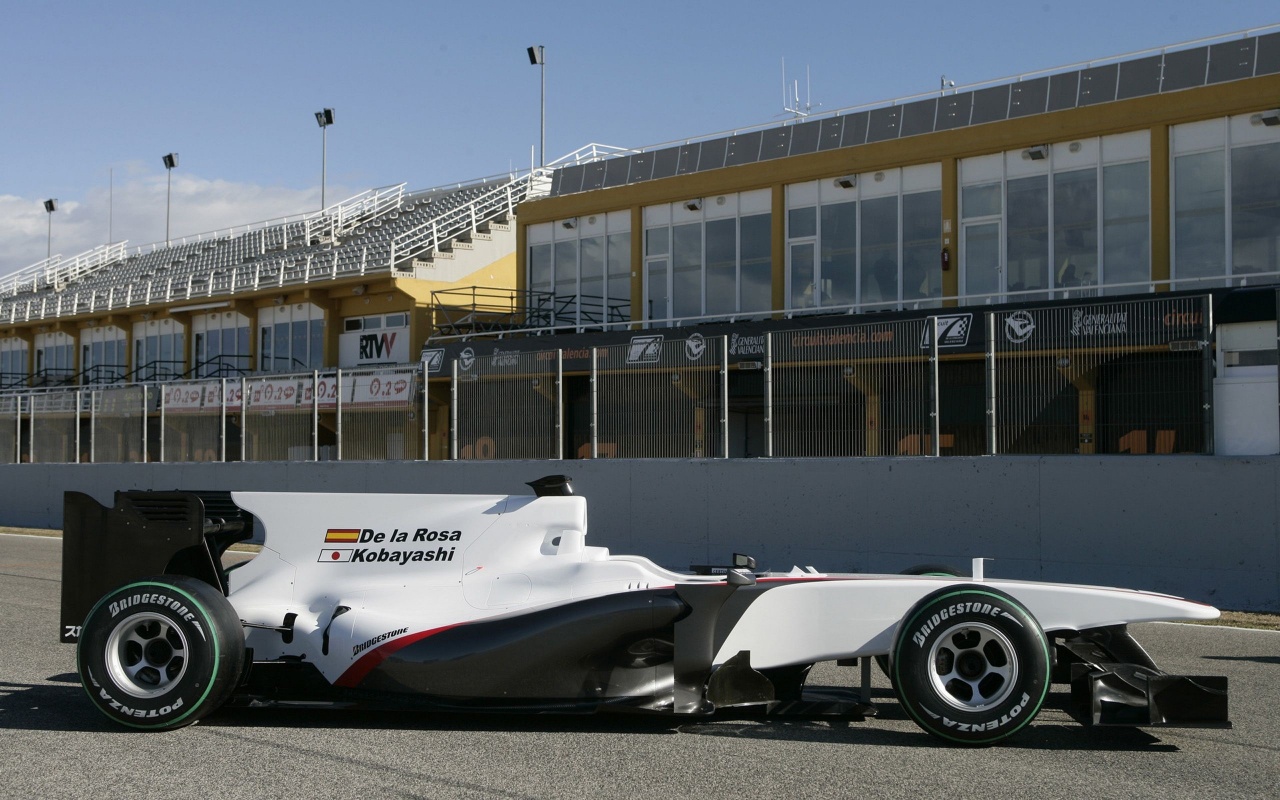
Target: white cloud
x,y
137,214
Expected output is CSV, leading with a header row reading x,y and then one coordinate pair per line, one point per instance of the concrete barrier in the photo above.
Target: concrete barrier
x,y
1203,527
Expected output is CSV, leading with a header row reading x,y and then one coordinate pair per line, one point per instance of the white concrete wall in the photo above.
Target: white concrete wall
x,y
1202,527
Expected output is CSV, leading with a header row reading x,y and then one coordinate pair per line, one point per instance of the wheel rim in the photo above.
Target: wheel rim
x,y
146,655
973,666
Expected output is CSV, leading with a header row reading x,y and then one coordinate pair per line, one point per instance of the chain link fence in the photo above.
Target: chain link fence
x,y
508,406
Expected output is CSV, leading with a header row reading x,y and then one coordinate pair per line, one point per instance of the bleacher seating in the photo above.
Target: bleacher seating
x,y
355,237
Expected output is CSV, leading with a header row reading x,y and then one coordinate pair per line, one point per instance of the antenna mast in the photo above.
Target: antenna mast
x,y
791,99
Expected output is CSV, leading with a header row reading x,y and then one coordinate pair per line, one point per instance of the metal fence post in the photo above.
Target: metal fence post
x,y
768,395
315,415
222,433
595,404
426,414
724,396
93,424
144,423
935,405
1206,362
453,412
560,405
31,430
78,394
244,416
338,415
161,400
992,447
17,438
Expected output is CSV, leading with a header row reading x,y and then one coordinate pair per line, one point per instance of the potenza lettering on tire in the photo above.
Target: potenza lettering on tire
x,y
970,665
160,653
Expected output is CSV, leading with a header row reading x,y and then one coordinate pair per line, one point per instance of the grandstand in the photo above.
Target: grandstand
x,y
852,284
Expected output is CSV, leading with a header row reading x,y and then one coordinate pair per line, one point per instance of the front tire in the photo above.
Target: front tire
x,y
161,653
970,665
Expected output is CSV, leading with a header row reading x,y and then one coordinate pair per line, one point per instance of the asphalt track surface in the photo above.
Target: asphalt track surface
x,y
54,744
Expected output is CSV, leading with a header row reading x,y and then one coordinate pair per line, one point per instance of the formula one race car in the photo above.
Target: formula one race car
x,y
496,603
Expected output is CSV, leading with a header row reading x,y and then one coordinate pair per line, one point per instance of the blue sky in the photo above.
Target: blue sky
x,y
432,93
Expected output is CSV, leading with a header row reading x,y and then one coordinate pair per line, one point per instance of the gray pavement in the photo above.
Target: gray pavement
x,y
56,745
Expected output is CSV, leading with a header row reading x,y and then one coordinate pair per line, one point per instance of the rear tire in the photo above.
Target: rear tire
x,y
970,665
161,652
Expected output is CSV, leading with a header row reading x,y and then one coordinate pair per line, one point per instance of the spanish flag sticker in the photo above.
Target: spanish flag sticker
x,y
334,555
342,535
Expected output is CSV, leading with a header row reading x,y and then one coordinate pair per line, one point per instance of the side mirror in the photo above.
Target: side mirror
x,y
743,561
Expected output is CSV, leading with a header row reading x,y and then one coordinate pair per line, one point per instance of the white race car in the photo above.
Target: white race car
x,y
496,603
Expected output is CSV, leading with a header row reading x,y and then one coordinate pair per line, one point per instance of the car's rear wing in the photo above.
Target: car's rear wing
x,y
144,533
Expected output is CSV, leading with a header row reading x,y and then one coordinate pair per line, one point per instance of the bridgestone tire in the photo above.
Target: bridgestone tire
x,y
970,665
161,652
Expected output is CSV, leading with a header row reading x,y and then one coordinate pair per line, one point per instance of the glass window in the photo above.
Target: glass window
x,y
1027,241
839,253
397,320
1255,209
802,275
982,200
921,245
281,347
656,286
315,358
371,323
1199,227
264,348
242,347
1126,225
298,347
722,266
619,286
802,223
566,269
879,252
686,270
656,242
755,253
353,324
540,268
591,299
1075,228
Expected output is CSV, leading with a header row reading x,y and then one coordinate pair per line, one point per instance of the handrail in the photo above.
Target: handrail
x,y
432,233
54,271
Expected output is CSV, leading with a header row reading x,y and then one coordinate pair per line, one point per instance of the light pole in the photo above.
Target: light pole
x,y
537,57
50,205
324,118
170,161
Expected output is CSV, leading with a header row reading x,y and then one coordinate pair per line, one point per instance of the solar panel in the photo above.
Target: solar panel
x,y
616,171
1140,77
665,161
804,137
1268,58
775,143
918,117
954,111
1064,90
830,131
855,129
712,154
1098,84
687,161
1028,97
641,167
990,105
1184,69
743,149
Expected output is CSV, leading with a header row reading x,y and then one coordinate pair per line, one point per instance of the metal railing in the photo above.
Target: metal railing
x,y
495,203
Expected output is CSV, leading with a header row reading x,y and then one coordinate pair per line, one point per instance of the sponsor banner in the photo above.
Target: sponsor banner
x,y
386,389
187,398
1126,323
325,389
275,393
884,334
368,348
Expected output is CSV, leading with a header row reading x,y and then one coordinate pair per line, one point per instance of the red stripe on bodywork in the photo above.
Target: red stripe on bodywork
x,y
367,662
